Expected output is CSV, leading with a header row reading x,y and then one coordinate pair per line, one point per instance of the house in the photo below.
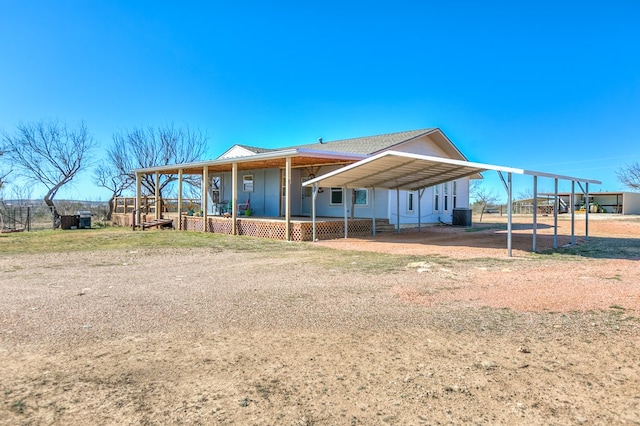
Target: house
x,y
262,184
328,189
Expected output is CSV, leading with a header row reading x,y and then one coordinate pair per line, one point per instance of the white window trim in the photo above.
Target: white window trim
x,y
246,181
331,191
366,192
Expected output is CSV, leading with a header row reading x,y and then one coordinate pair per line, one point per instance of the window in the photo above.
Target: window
x,y
410,202
455,194
436,198
247,183
215,185
361,197
336,196
445,188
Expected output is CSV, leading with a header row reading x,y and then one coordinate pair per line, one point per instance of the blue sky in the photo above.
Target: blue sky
x,y
550,86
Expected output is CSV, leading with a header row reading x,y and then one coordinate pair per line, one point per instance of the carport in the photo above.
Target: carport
x,y
414,172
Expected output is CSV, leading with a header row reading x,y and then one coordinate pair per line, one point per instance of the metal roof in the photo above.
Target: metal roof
x,y
299,157
338,152
407,171
368,144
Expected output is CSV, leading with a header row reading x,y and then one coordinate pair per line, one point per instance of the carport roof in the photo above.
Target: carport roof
x,y
407,171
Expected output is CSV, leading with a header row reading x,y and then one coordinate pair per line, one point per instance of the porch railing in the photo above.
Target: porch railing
x,y
148,205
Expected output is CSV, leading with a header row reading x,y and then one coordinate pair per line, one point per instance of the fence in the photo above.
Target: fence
x,y
25,218
34,215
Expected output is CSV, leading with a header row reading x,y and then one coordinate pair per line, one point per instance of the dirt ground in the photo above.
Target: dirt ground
x,y
460,334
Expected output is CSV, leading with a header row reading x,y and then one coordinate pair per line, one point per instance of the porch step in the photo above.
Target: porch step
x,y
383,225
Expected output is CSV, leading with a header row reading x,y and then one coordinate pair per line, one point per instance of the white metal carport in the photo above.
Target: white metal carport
x,y
415,172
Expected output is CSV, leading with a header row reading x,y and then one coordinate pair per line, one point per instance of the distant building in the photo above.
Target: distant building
x,y
625,203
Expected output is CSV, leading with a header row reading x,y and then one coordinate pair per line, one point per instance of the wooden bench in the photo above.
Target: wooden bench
x,y
158,223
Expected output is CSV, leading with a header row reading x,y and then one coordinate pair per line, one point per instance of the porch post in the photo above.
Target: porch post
x,y
535,212
344,202
138,207
157,194
287,198
234,197
180,199
205,197
373,211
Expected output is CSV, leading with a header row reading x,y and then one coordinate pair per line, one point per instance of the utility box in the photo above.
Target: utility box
x,y
461,217
84,219
69,222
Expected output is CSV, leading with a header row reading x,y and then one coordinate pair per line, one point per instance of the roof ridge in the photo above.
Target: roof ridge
x,y
423,131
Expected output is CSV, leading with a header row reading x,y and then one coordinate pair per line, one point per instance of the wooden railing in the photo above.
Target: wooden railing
x,y
148,205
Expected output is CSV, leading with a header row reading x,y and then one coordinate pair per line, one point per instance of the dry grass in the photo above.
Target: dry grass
x,y
159,327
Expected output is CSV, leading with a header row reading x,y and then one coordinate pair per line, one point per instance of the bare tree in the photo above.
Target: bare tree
x,y
525,194
141,148
50,153
482,196
3,172
108,177
629,175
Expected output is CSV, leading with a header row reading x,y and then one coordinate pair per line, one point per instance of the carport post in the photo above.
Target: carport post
x,y
398,209
586,212
420,193
573,212
535,212
509,215
556,204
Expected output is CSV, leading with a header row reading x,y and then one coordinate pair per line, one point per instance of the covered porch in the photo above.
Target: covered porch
x,y
300,227
277,223
297,229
